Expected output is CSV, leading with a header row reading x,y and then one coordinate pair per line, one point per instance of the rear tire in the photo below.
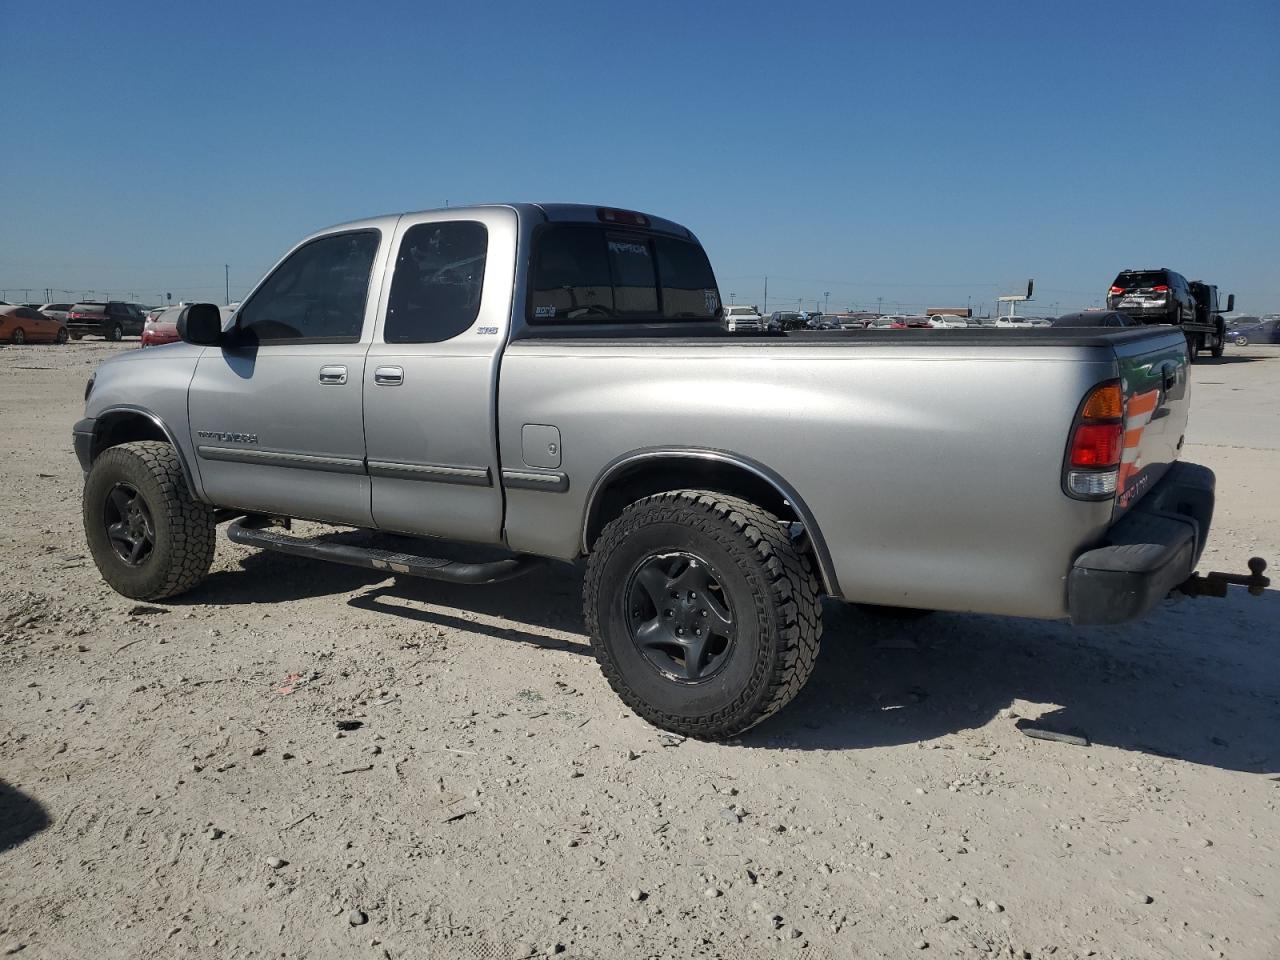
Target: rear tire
x,y
1192,347
149,538
1242,341
19,337
755,650
116,333
76,336
61,337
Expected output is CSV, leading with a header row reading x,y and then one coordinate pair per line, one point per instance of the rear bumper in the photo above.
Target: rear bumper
x,y
1149,551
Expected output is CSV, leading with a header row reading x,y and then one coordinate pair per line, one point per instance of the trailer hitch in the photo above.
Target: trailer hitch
x,y
1215,584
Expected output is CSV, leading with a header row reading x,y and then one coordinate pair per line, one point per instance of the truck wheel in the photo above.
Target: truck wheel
x,y
149,539
1219,345
704,617
1192,347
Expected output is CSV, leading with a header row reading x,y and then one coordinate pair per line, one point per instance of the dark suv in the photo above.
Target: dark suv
x,y
112,319
1152,296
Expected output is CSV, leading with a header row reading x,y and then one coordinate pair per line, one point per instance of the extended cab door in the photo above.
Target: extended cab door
x,y
431,377
276,414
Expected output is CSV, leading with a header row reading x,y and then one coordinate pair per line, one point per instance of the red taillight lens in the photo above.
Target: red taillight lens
x,y
627,217
1160,288
1097,445
1115,291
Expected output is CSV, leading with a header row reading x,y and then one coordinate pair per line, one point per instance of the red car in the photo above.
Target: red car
x,y
162,328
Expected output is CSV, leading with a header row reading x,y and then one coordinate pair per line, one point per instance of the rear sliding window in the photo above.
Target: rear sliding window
x,y
585,274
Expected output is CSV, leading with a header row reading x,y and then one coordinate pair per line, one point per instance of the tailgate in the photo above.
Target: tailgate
x,y
1153,376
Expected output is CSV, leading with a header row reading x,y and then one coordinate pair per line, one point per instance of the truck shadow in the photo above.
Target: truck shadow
x,y
21,817
1197,681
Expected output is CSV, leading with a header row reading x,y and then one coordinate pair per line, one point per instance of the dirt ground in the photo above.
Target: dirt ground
x,y
175,782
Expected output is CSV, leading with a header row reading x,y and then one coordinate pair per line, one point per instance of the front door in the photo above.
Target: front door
x,y
277,415
431,376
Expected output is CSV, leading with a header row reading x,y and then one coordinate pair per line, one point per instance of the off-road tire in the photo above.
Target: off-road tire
x,y
769,583
185,532
18,337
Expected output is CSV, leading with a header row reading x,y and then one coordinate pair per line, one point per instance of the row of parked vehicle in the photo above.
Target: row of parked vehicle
x,y
110,319
740,319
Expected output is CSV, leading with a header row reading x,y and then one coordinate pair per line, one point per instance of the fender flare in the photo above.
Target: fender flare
x,y
121,410
627,461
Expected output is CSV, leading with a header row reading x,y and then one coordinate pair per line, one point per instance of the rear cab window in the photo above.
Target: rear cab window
x,y
438,282
586,273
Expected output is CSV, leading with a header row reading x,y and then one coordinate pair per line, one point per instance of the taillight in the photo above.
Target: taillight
x,y
628,217
1115,291
1097,444
1160,288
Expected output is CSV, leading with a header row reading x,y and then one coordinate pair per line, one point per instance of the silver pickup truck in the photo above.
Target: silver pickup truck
x,y
556,381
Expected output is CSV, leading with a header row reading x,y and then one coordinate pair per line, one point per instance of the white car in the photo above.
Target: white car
x,y
948,321
1014,322
742,320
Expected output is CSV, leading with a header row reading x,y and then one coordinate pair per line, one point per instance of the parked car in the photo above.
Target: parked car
x,y
112,319
58,311
786,320
948,321
1264,330
476,400
739,319
1014,322
23,325
1095,318
163,328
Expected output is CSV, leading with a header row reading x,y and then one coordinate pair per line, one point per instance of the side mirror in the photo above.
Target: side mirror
x,y
201,323
1231,302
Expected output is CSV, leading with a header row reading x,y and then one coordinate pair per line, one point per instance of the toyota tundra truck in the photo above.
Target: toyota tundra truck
x,y
555,382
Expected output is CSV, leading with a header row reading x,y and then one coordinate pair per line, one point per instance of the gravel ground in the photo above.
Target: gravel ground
x,y
301,760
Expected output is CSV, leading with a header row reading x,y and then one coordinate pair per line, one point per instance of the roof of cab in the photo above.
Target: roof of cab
x,y
544,212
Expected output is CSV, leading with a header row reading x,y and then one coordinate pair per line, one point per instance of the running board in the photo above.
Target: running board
x,y
251,532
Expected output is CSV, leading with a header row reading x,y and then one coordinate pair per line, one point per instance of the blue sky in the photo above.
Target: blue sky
x,y
922,153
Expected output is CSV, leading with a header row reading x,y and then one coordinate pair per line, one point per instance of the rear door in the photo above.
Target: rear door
x,y
277,415
431,378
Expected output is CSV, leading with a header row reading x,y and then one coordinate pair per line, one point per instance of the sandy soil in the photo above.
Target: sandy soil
x,y
175,782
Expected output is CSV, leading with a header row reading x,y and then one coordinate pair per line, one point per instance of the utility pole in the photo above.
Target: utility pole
x,y
826,302
766,294
879,312
226,276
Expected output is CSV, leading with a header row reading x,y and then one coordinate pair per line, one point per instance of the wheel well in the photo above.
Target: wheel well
x,y
125,428
675,472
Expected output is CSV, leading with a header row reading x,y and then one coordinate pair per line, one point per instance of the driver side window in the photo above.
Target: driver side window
x,y
316,296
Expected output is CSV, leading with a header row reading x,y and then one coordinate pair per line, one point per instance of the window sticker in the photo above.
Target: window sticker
x,y
544,311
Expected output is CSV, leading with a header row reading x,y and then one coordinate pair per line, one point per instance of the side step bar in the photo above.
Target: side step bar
x,y
252,532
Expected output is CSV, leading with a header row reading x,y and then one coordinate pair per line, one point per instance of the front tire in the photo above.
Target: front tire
x,y
703,616
61,338
116,333
149,538
1242,341
19,337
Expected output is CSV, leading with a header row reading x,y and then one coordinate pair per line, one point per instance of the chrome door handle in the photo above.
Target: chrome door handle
x,y
388,376
334,375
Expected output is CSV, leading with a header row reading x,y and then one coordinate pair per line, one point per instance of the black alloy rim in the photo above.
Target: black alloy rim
x,y
679,617
129,526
